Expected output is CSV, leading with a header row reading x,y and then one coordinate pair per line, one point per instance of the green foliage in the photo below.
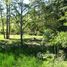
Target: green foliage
x,y
47,36
48,33
60,39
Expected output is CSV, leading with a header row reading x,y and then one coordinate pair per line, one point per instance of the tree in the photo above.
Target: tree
x,y
21,22
22,7
7,18
1,13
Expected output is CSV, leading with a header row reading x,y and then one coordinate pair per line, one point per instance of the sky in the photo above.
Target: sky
x,y
26,1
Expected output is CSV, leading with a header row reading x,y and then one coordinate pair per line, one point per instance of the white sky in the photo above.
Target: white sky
x,y
26,1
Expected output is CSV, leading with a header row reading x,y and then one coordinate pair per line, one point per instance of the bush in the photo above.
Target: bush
x,y
60,39
48,36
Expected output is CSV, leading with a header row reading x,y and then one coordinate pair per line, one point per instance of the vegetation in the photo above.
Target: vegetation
x,y
33,34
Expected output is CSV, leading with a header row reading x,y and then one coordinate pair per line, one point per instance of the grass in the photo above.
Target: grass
x,y
55,64
25,36
1,37
24,57
10,60
19,57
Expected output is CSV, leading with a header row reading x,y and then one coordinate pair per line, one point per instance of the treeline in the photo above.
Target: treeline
x,y
39,17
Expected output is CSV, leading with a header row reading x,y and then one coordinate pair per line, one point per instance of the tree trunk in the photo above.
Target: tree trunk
x,y
2,25
21,32
7,21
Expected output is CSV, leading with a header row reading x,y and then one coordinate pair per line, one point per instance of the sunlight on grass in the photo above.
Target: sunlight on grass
x,y
15,36
1,37
25,36
32,36
54,64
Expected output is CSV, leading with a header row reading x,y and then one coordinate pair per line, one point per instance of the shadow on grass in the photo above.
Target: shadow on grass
x,y
16,48
17,54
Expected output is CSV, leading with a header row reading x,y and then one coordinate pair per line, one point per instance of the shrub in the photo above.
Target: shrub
x,y
48,35
60,39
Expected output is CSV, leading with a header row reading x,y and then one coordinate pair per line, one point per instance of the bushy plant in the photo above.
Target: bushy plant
x,y
47,36
60,39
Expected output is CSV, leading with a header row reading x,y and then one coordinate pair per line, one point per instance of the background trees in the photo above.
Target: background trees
x,y
2,22
34,18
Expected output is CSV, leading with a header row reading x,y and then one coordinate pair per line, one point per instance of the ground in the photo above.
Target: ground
x,y
19,56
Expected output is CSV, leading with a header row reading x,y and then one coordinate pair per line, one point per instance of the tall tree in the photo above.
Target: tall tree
x,y
1,13
7,18
22,9
21,20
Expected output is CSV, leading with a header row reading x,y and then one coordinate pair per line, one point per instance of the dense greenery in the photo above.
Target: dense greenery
x,y
33,34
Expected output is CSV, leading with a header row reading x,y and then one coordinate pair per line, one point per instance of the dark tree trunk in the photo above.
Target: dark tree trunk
x,y
7,21
2,25
21,22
